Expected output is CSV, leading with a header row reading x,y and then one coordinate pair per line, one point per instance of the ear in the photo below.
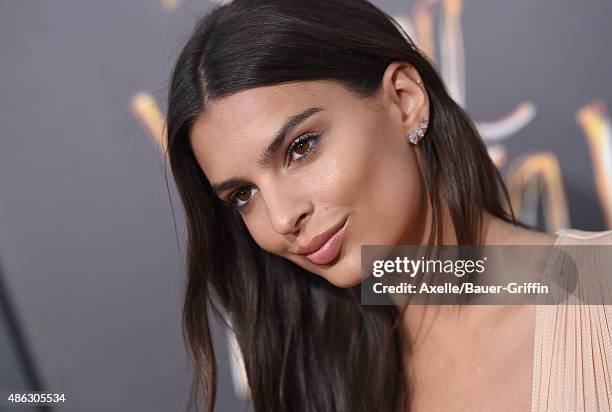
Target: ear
x,y
404,95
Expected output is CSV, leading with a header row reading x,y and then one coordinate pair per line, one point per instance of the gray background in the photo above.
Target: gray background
x,y
88,249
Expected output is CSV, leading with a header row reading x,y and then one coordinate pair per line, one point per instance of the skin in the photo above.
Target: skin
x,y
363,168
474,357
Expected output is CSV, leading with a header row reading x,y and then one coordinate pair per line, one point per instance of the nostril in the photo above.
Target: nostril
x,y
299,221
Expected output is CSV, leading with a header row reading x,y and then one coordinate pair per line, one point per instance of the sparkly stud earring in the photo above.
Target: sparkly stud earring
x,y
416,136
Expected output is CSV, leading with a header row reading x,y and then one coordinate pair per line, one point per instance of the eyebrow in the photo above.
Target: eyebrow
x,y
265,160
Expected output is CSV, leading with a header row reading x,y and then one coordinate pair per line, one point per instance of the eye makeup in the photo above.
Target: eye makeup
x,y
312,140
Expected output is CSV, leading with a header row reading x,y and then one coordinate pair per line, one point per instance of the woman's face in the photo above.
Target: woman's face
x,y
343,160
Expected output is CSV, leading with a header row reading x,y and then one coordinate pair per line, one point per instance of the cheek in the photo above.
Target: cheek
x,y
383,187
378,169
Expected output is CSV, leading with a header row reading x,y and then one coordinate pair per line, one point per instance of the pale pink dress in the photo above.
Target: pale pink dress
x,y
572,368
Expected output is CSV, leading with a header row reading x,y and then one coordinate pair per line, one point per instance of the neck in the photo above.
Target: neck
x,y
458,318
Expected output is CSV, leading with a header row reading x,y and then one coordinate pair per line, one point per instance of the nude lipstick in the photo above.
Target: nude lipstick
x,y
330,249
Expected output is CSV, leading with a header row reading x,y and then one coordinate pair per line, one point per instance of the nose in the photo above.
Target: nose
x,y
287,207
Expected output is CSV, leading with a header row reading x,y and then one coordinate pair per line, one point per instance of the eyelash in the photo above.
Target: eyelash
x,y
309,137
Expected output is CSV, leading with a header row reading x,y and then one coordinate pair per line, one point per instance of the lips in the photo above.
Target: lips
x,y
324,247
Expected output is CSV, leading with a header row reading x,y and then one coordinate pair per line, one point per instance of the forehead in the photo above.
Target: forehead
x,y
238,127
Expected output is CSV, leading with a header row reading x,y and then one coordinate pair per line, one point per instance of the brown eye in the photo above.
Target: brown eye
x,y
303,147
241,197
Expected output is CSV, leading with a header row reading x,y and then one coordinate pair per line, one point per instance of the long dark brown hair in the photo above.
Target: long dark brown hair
x,y
307,345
